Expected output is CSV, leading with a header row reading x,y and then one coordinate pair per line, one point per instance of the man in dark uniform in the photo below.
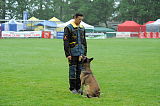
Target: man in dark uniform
x,y
75,48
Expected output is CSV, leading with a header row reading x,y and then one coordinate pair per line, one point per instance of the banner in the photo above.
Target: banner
x,y
149,35
123,34
46,34
154,35
88,35
25,17
95,36
158,35
0,30
59,35
25,34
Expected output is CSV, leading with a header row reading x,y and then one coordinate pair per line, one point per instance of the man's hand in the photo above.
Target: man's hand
x,y
69,57
80,58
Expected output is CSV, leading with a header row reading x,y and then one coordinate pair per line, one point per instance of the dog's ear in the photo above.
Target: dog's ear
x,y
84,60
90,59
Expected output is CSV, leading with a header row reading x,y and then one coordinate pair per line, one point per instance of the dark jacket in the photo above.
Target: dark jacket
x,y
74,40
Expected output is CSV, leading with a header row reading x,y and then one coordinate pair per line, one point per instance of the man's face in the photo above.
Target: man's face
x,y
78,20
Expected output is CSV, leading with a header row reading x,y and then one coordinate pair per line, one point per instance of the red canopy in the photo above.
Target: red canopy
x,y
129,26
143,27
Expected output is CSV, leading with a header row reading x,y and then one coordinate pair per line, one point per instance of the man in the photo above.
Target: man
x,y
75,48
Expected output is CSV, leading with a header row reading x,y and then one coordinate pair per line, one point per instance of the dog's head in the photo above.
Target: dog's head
x,y
86,61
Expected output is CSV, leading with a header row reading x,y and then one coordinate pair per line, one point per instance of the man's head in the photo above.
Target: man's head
x,y
78,18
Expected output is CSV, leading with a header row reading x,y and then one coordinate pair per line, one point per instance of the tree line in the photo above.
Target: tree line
x,y
95,11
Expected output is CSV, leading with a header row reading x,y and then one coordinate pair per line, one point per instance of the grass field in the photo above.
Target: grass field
x,y
34,72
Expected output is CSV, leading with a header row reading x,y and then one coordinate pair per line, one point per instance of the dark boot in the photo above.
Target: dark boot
x,y
72,83
72,77
78,84
78,72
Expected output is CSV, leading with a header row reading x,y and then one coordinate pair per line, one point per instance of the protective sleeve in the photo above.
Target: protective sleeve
x,y
85,44
66,41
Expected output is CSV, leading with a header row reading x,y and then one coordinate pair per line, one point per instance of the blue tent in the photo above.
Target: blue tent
x,y
47,23
12,25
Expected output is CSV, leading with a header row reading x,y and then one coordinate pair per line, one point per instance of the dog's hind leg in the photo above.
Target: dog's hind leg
x,y
97,93
89,96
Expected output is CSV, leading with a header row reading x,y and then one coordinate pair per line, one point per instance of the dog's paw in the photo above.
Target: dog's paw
x,y
80,92
88,96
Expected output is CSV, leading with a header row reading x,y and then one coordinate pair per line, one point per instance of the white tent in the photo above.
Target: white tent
x,y
153,27
86,26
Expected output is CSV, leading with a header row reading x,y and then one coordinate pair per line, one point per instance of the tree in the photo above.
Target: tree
x,y
2,9
138,10
95,11
104,9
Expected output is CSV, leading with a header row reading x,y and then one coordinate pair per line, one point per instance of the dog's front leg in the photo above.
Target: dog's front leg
x,y
83,83
82,86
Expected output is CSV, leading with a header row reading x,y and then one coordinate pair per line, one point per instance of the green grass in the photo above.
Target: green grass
x,y
34,72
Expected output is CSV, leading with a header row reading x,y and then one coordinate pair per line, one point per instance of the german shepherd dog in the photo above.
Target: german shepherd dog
x,y
88,81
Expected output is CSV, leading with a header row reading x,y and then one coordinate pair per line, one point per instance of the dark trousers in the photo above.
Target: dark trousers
x,y
75,67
